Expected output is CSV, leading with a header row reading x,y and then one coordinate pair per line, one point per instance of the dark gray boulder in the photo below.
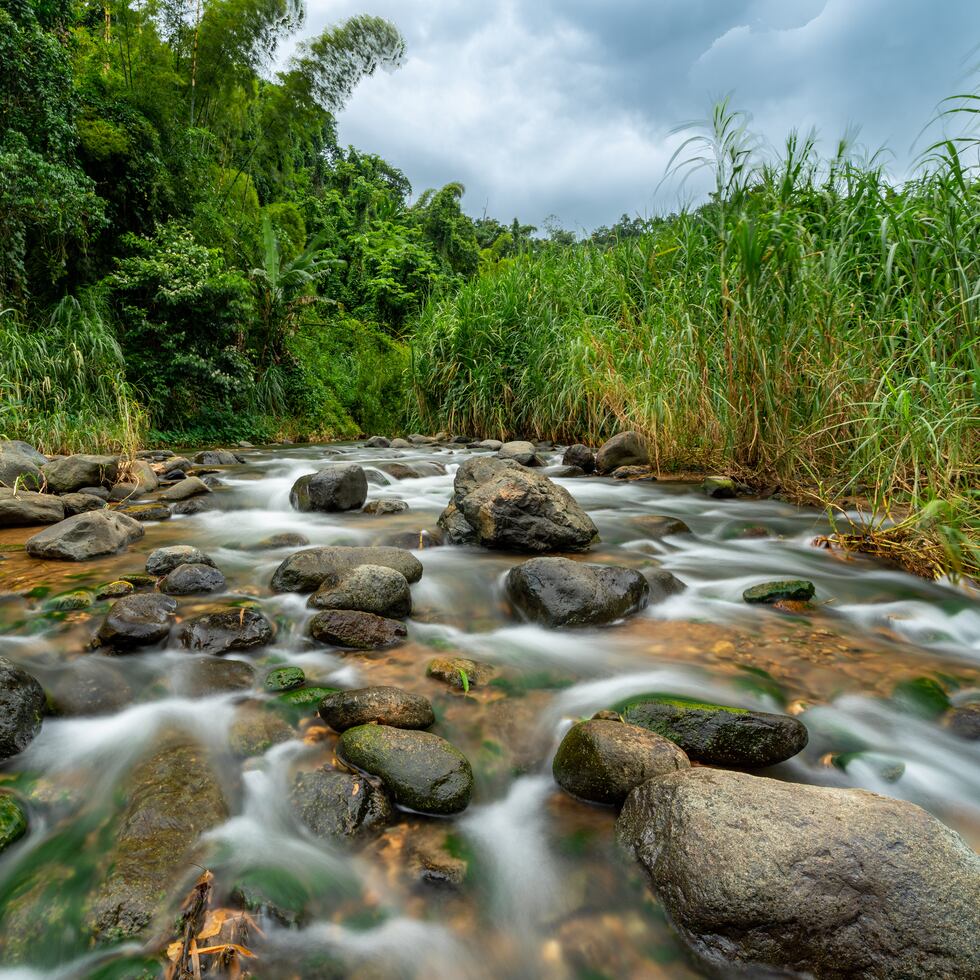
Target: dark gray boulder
x,y
420,770
603,761
580,456
217,457
231,629
137,620
562,592
521,452
200,677
191,579
770,878
22,508
82,503
84,536
164,560
74,472
307,570
380,705
659,525
505,505
21,708
191,486
25,449
368,588
624,449
377,442
147,512
663,584
340,805
18,472
338,487
356,630
717,734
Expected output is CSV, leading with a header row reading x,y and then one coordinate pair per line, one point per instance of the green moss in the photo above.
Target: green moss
x,y
768,592
676,701
70,601
285,679
300,703
13,821
921,696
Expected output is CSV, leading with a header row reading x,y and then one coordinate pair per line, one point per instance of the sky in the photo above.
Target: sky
x,y
571,107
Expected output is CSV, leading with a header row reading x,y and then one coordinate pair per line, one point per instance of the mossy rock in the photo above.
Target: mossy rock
x,y
285,679
300,702
797,590
70,601
138,580
115,590
922,696
719,734
13,821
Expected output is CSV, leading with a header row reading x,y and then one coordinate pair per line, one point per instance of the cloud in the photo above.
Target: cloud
x,y
568,106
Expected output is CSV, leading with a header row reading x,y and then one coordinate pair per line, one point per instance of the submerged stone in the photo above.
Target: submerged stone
x,y
719,487
137,620
460,672
356,630
797,590
13,821
335,804
381,705
230,629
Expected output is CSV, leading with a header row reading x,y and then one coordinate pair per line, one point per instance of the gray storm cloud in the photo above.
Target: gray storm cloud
x,y
568,108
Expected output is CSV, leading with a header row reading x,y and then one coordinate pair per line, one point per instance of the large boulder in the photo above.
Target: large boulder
x,y
368,588
74,472
192,579
334,804
500,504
381,705
171,799
420,770
22,508
580,456
82,503
624,449
22,448
718,734
84,536
782,879
604,760
338,487
562,592
217,457
21,708
356,630
307,570
137,620
228,630
140,473
18,472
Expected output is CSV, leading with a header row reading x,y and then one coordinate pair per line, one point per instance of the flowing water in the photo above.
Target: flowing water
x,y
545,892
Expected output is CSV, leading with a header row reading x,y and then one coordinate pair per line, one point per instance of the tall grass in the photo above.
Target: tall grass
x,y
812,322
62,382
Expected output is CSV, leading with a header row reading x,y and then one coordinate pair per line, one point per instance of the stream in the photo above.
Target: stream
x,y
527,882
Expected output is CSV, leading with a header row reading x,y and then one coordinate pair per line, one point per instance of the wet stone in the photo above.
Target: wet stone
x,y
301,702
377,442
624,449
231,629
604,761
416,540
287,539
284,679
580,456
719,487
22,705
85,536
922,696
720,735
451,670
356,630
420,770
88,685
770,592
191,486
71,601
13,821
307,570
633,473
199,677
255,730
368,588
137,620
81,503
659,525
217,457
148,512
164,560
964,721
23,508
339,487
380,705
193,579
385,505
334,804
115,590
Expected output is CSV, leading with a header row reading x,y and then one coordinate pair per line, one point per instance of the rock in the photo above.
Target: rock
x,y
624,449
385,505
420,770
22,448
922,696
375,477
139,580
74,472
382,705
562,592
302,702
633,473
217,457
82,503
84,536
457,528
23,508
243,444
368,588
191,579
307,570
195,505
564,472
400,444
231,629
604,761
663,584
21,708
88,686
287,539
172,798
189,487
511,507
659,526
769,592
164,560
71,601
720,735
416,540
115,590
450,670
964,721
520,452
356,630
200,677
377,442
18,472
580,456
456,440
123,492
433,858
147,512
400,471
494,445
334,804
180,463
338,487
799,880
13,821
255,730
415,439
719,487
140,473
99,492
137,620
285,679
